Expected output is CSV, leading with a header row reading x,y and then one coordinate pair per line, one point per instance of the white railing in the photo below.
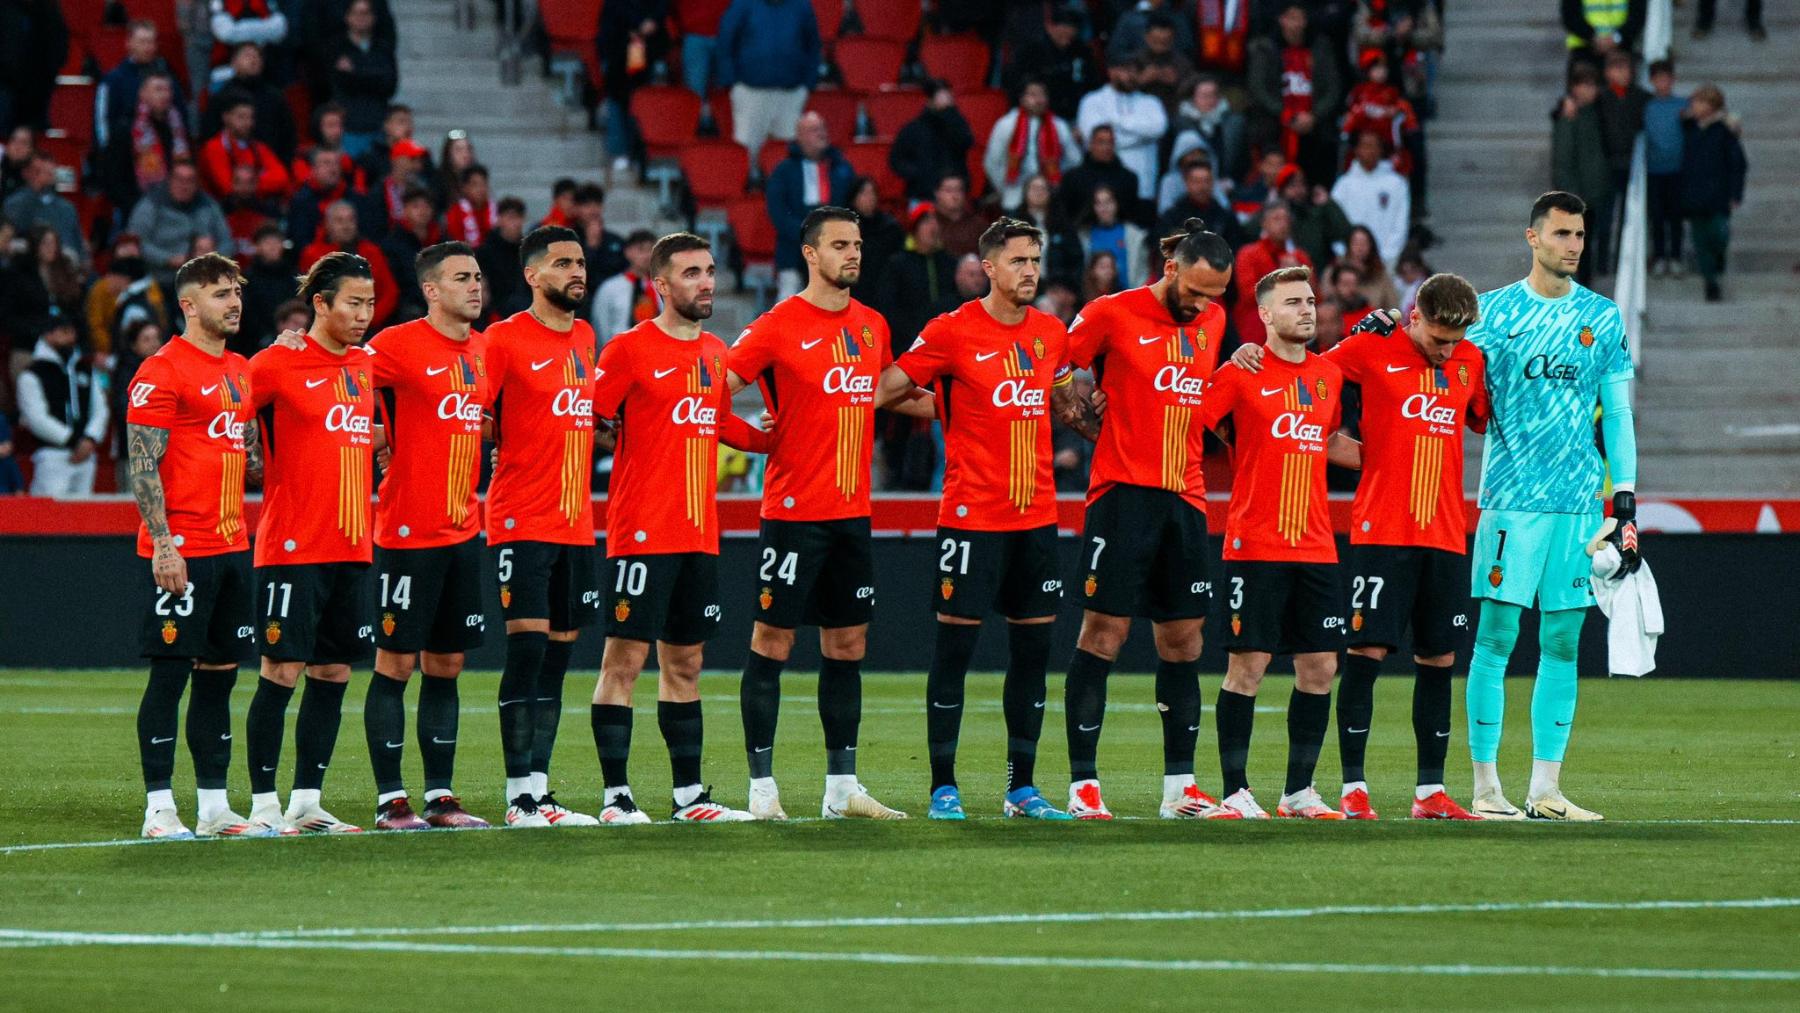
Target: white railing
x,y
1630,286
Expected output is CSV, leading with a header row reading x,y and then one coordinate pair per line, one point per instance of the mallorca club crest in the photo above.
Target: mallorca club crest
x,y
766,599
1037,348
946,588
1319,386
1587,337
1356,621
506,596
387,624
1089,586
272,632
1237,625
480,368
168,631
622,611
1496,575
1462,375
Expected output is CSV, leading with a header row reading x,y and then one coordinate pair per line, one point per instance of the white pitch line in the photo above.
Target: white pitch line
x,y
905,959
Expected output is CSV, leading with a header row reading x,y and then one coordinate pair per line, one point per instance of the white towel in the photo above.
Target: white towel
x,y
1633,611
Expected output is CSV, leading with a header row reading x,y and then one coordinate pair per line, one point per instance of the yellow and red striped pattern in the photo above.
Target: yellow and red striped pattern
x,y
1022,464
1015,371
1177,423
231,495
577,457
228,393
700,473
840,350
698,382
463,465
1427,478
1290,399
1172,347
462,378
353,493
575,369
852,433
1428,382
1296,497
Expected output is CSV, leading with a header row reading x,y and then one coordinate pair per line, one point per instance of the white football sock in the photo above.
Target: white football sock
x,y
265,800
1425,791
540,783
687,793
1487,780
303,799
388,796
516,786
213,802
839,786
158,800
433,794
613,792
1546,779
1350,786
1176,785
762,785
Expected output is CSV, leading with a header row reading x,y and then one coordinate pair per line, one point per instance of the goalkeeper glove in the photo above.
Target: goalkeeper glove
x,y
1380,322
1624,534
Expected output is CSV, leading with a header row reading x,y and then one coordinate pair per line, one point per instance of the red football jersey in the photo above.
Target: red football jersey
x,y
541,383
431,391
818,372
993,395
1281,418
1152,371
1411,490
674,407
203,401
316,415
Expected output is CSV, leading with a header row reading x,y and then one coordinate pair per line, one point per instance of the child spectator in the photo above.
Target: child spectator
x,y
1621,105
1712,181
472,216
1662,160
1578,158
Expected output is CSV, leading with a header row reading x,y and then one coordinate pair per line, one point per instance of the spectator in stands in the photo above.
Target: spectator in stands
x,y
1104,231
698,21
1409,33
157,136
768,55
1224,37
1377,104
1320,226
1753,22
1409,274
605,249
1578,161
882,237
268,282
633,38
1029,140
562,203
933,145
1622,103
1713,168
328,134
959,221
116,98
1362,254
1138,122
1347,292
1058,58
1249,198
454,155
1372,194
170,214
1060,300
1199,199
417,228
124,266
138,343
363,75
1598,27
1131,32
405,172
12,479
917,283
1295,93
40,283
1274,249
240,22
1101,276
628,298
62,402
1169,72
1207,122
246,211
36,202
34,42
326,186
236,146
813,173
1062,254
1662,164
498,256
15,159
396,130
1099,167
343,232
244,76
971,279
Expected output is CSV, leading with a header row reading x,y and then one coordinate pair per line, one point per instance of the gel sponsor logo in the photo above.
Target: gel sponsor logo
x,y
1017,394
1459,621
1201,587
476,621
225,426
864,593
1545,367
245,632
590,597
1176,380
1333,622
693,411
365,632
459,406
1425,407
342,418
1293,425
845,380
570,403
1053,586
711,612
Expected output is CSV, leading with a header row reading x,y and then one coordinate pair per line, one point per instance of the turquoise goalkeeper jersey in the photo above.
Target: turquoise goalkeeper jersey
x,y
1546,361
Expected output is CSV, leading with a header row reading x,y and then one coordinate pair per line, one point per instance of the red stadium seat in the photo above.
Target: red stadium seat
x,y
571,24
870,159
869,63
839,109
983,109
770,155
831,17
894,20
666,116
961,60
715,171
893,108
754,236
72,109
83,16
720,99
66,151
107,44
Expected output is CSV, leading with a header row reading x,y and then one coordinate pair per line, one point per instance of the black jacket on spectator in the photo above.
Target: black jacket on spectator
x,y
619,22
1067,74
1076,193
26,304
117,98
1621,120
266,287
1712,167
364,89
1263,79
882,237
499,260
914,288
306,213
34,39
1063,259
786,195
401,248
934,145
1218,218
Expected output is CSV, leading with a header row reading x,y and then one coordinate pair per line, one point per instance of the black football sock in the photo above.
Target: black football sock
x,y
612,740
1431,719
518,698
1022,699
546,713
1084,707
264,726
384,726
759,698
682,731
316,731
440,712
840,712
1309,714
159,718
1355,707
209,725
1178,702
944,697
1235,716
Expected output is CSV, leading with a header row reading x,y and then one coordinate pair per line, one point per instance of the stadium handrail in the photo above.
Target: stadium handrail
x,y
1631,283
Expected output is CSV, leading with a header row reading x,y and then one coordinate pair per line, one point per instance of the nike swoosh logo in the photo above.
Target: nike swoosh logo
x,y
808,344
540,365
1488,723
1193,728
849,749
1356,731
763,749
1087,728
1398,369
225,738
1511,337
433,372
396,745
1039,705
207,391
270,770
310,384
321,766
157,742
509,703
443,742
945,706
1564,724
1148,341
1275,390
983,357
659,374
1443,735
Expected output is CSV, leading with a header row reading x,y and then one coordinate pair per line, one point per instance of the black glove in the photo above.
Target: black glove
x,y
1625,536
1380,322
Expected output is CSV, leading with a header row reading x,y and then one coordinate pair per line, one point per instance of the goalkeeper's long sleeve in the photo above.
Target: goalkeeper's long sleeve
x,y
1619,431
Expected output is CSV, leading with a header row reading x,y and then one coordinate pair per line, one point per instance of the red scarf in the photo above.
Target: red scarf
x,y
149,161
394,191
1222,44
1049,149
472,223
645,303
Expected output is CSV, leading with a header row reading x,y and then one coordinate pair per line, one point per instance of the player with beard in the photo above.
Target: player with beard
x,y
817,357
315,413
1144,550
191,440
664,382
540,517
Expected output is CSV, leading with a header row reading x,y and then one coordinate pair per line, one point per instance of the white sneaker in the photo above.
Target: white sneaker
x,y
1244,804
1556,807
765,803
313,819
704,810
855,804
1495,807
523,814
1085,802
623,811
230,824
166,825
269,818
561,817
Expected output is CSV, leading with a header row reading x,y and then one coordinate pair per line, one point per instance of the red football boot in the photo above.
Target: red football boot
x,y
1355,805
1439,806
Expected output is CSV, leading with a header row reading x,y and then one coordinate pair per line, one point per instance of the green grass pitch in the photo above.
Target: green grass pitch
x,y
1686,899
